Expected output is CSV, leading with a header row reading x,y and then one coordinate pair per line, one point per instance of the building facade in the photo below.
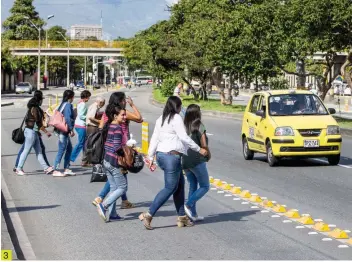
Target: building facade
x,y
81,32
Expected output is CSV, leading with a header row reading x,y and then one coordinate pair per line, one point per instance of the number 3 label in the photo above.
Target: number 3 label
x,y
251,132
6,254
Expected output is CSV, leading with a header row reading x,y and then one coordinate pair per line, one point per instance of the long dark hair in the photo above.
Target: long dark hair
x,y
112,110
172,107
68,94
193,118
116,98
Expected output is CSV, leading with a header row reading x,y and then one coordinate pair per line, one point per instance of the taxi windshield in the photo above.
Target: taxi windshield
x,y
296,104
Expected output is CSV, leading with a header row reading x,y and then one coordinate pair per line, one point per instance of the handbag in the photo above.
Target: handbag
x,y
98,174
18,133
57,120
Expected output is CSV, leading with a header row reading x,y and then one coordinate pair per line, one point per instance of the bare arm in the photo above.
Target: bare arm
x,y
134,116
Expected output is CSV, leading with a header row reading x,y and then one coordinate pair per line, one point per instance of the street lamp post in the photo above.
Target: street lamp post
x,y
46,45
68,59
38,70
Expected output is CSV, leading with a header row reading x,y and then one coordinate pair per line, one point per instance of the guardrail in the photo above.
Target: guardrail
x,y
63,44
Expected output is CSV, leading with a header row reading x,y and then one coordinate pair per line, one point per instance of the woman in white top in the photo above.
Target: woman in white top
x,y
170,141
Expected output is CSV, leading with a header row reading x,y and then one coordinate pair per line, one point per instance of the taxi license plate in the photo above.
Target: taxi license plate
x,y
311,143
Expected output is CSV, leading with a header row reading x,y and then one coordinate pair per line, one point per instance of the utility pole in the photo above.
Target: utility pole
x,y
85,70
46,45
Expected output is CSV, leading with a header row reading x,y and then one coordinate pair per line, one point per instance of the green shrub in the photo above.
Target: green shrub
x,y
278,83
168,86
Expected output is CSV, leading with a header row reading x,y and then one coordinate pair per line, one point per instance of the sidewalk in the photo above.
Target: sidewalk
x,y
6,242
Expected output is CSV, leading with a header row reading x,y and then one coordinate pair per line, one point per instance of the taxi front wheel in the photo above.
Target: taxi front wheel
x,y
247,153
272,160
334,159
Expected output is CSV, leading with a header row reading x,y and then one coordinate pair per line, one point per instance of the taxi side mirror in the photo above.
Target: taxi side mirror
x,y
332,111
260,113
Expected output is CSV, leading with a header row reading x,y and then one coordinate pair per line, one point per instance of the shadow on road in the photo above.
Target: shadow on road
x,y
30,208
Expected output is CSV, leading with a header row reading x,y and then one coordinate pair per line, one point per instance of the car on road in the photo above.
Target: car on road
x,y
80,84
24,87
144,80
290,123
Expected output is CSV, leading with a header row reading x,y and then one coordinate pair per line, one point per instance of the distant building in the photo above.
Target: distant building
x,y
82,32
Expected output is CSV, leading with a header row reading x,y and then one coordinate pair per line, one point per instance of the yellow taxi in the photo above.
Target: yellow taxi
x,y
290,123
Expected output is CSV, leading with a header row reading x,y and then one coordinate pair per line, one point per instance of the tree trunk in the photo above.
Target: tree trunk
x,y
347,72
300,69
194,93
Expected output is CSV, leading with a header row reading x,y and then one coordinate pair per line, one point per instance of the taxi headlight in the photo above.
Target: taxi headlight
x,y
333,130
284,131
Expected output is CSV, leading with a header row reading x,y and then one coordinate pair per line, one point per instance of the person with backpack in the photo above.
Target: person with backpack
x,y
194,164
34,122
65,145
80,126
118,182
39,95
119,98
170,141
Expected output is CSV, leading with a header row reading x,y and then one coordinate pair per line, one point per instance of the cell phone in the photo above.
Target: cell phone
x,y
152,167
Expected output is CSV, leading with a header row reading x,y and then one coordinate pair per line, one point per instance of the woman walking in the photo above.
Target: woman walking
x,y
194,163
34,123
118,182
80,126
65,145
170,141
39,95
119,98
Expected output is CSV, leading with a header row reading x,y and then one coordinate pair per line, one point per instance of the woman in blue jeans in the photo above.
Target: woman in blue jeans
x,y
118,182
169,141
34,123
65,145
194,163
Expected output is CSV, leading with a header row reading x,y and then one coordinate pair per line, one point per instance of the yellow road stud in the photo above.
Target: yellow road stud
x,y
236,190
256,199
279,209
338,233
211,179
292,213
321,226
218,183
267,203
226,187
245,194
306,220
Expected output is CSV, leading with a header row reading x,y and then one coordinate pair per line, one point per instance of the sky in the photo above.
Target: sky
x,y
120,17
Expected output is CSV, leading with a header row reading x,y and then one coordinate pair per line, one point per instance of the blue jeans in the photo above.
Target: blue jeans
x,y
43,152
174,183
197,175
106,189
31,140
118,186
65,147
81,139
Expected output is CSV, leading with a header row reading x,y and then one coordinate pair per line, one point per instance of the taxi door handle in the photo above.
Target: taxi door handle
x,y
256,124
247,120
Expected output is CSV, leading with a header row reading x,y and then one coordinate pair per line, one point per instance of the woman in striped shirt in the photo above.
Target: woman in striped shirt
x,y
118,183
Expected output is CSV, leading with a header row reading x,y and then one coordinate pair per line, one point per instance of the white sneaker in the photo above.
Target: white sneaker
x,y
58,174
198,218
69,172
188,212
20,172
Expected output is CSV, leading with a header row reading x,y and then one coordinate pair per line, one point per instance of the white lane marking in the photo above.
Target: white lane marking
x,y
265,211
326,162
210,134
305,215
343,246
254,207
284,205
228,195
264,198
244,203
299,227
274,202
254,194
236,198
313,233
318,220
22,237
213,188
326,239
331,225
275,216
347,231
221,192
287,221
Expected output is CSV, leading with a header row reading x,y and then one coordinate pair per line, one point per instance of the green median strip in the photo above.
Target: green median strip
x,y
344,123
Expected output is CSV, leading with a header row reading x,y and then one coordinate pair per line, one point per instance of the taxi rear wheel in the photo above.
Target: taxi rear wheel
x,y
272,160
247,153
334,159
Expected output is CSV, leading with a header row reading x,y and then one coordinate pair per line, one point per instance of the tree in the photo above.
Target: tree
x,y
91,38
54,33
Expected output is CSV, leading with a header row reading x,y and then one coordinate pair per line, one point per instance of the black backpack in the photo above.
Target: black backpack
x,y
95,146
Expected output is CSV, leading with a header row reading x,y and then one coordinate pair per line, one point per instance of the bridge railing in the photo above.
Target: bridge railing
x,y
63,44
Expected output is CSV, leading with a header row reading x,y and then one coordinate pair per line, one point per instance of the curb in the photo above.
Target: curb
x,y
7,104
235,116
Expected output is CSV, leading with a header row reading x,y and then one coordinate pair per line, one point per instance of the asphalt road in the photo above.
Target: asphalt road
x,y
61,222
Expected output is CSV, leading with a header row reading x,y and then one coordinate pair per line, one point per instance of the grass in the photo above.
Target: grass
x,y
211,104
344,123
